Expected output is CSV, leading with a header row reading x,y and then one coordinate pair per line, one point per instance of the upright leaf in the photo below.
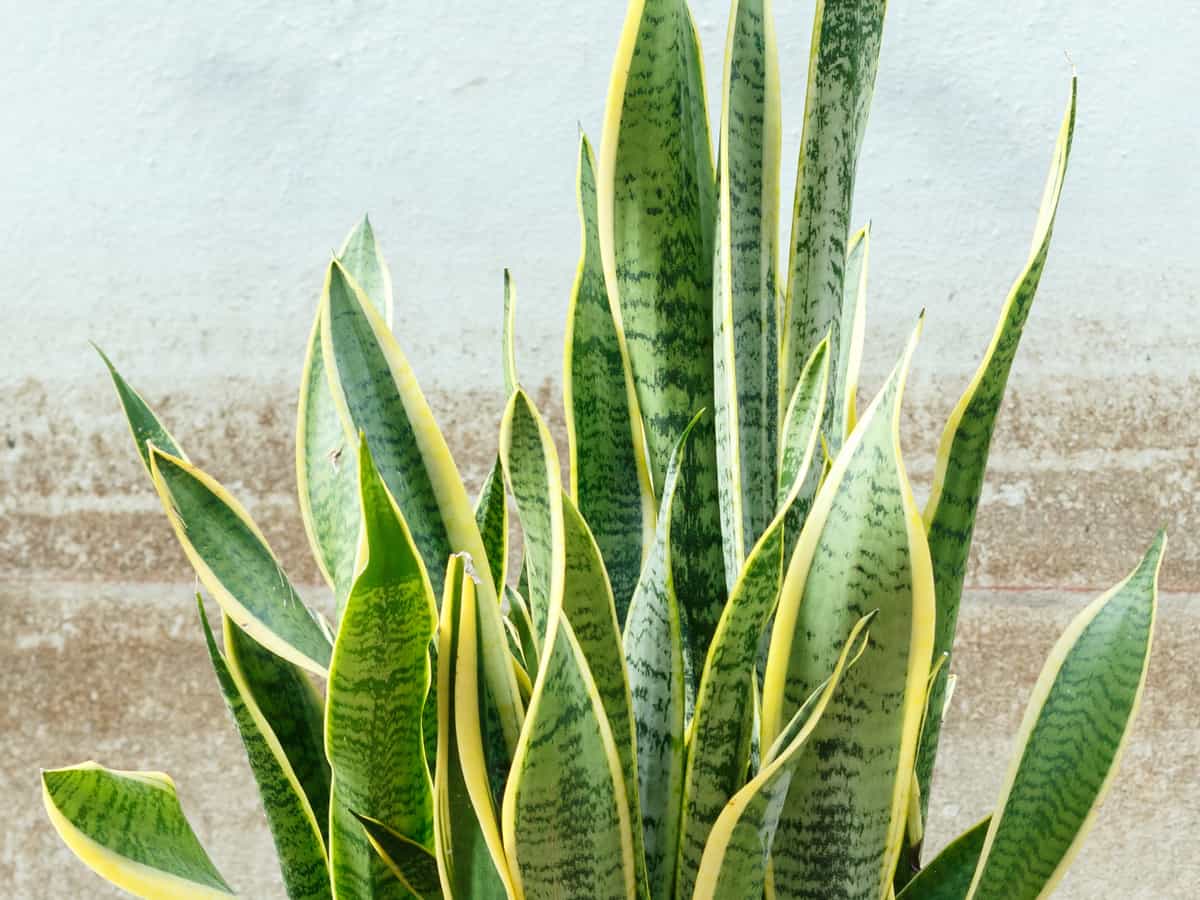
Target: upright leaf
x,y
234,563
411,862
511,382
746,348
963,453
377,394
862,548
491,515
735,861
852,323
129,828
299,843
1070,743
325,475
948,876
378,681
654,655
841,78
144,426
605,441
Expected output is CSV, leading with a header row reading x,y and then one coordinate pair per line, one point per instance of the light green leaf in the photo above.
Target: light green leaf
x,y
746,339
470,851
144,425
299,843
376,393
1075,727
735,860
325,475
378,681
844,58
522,620
566,820
852,323
129,828
234,563
409,861
654,657
948,876
605,441
491,515
963,453
843,821
511,382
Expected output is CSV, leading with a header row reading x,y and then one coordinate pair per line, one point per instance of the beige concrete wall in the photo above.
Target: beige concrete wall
x,y
171,181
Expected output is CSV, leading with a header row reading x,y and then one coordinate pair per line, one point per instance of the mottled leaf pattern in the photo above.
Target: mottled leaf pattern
x,y
299,843
491,515
604,430
234,563
129,828
851,330
412,863
745,338
1075,727
143,424
841,825
963,453
377,685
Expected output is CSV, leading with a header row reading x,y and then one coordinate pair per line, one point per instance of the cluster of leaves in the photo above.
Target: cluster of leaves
x,y
720,669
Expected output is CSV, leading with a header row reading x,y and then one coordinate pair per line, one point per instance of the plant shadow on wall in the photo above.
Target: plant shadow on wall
x,y
722,666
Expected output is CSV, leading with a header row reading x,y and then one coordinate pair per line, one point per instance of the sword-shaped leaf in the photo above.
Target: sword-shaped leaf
x,y
129,828
509,335
378,681
843,61
299,843
852,324
605,442
723,729
746,336
412,863
862,548
735,861
491,515
234,563
654,656
325,475
470,851
963,453
948,876
567,828
144,425
656,212
522,620
1076,726
377,394
801,466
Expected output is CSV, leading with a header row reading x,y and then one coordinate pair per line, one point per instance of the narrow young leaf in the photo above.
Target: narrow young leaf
x,y
745,338
852,323
412,863
963,453
841,78
1070,743
605,442
234,563
378,681
511,382
948,875
129,828
843,820
491,515
144,425
299,843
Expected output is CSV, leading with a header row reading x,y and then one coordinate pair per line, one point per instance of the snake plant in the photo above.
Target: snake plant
x,y
721,666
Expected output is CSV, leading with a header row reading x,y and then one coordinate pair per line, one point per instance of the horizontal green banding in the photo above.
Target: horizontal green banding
x,y
299,844
378,682
409,861
1074,731
850,331
746,349
617,504
130,818
362,258
963,453
841,78
236,565
567,827
292,708
948,875
491,515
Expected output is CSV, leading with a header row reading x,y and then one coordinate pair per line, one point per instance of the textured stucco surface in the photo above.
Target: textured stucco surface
x,y
174,176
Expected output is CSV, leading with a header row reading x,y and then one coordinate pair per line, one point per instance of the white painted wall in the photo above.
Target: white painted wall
x,y
173,176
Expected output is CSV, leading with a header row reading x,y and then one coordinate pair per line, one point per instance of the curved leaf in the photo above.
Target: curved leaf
x,y
1070,743
963,453
129,828
862,548
299,843
746,331
409,861
605,442
378,681
234,563
948,876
